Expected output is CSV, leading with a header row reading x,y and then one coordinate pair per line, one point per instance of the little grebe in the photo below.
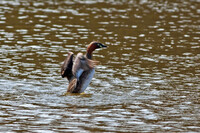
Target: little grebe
x,y
80,71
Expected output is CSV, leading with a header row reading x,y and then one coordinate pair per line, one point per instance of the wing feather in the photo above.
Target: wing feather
x,y
77,69
82,71
82,64
66,68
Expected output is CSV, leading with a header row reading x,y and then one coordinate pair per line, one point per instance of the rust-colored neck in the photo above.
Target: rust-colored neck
x,y
90,49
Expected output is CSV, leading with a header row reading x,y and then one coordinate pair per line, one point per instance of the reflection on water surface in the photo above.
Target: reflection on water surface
x,y
148,79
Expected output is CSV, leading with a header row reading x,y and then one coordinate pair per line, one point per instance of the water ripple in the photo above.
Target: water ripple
x,y
148,79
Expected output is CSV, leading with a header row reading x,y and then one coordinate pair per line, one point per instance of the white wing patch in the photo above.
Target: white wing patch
x,y
87,80
78,73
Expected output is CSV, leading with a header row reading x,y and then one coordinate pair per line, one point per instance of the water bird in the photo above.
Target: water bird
x,y
80,71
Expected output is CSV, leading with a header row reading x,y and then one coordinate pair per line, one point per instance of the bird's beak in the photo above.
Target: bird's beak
x,y
103,45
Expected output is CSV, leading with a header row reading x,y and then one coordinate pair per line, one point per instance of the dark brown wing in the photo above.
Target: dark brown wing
x,y
66,68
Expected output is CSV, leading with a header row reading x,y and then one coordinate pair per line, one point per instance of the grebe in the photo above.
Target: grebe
x,y
80,71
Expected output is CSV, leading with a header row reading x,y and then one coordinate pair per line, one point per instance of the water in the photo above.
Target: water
x,y
148,79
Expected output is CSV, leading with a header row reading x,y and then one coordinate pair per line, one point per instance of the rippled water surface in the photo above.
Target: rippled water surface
x,y
148,79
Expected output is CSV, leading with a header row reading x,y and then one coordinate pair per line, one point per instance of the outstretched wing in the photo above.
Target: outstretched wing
x,y
78,73
82,64
66,68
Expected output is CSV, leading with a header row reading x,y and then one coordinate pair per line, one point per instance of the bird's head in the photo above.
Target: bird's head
x,y
92,46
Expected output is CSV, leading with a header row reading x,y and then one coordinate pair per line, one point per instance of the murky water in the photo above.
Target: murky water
x,y
148,79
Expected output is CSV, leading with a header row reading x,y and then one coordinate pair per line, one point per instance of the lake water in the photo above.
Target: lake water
x,y
148,79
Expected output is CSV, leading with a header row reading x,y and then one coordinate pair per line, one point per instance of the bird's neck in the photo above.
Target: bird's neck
x,y
90,49
89,55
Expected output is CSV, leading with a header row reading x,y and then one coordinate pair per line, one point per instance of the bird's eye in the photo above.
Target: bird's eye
x,y
99,45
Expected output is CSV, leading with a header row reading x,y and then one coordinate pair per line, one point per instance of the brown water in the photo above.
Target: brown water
x,y
148,79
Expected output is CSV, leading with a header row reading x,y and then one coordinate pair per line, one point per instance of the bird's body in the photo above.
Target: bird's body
x,y
80,71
